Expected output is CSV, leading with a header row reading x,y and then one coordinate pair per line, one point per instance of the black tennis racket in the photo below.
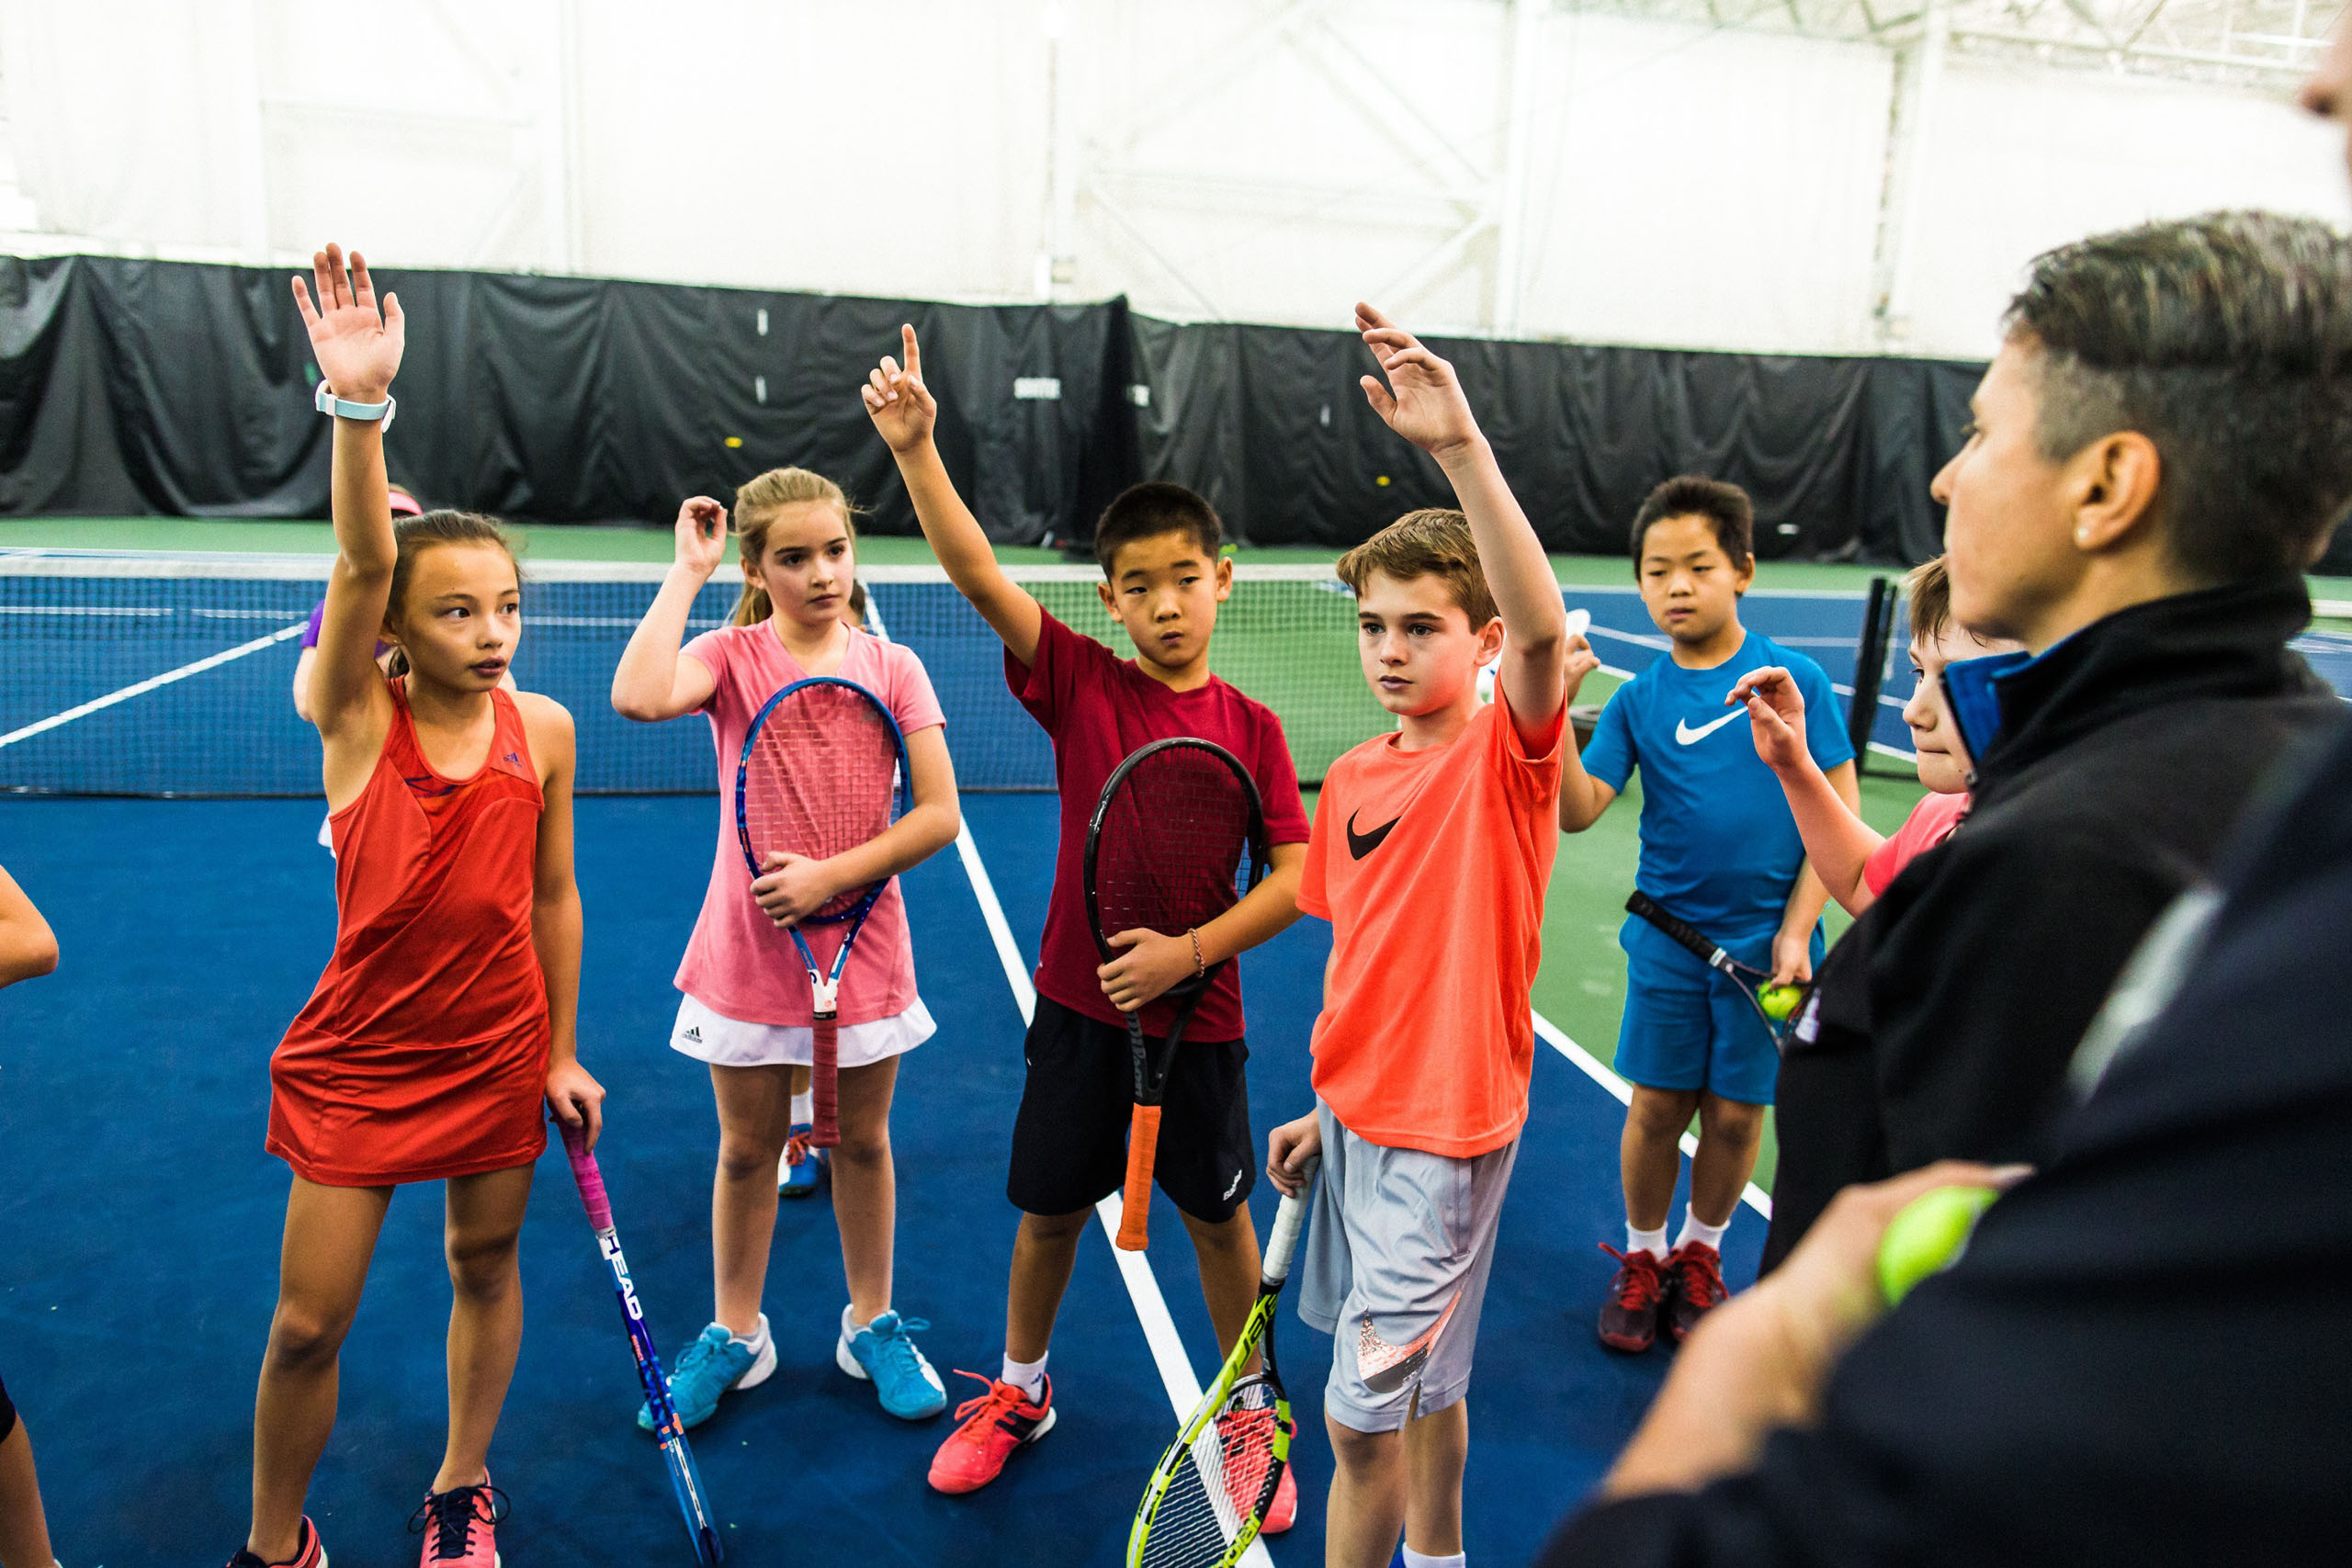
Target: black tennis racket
x,y
1177,838
823,770
686,1479
1209,1494
1774,1005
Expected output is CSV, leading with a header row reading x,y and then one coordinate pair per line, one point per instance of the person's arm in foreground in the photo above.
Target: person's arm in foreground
x,y
904,413
1758,1362
1793,944
27,947
654,681
1423,402
1837,843
1150,962
556,926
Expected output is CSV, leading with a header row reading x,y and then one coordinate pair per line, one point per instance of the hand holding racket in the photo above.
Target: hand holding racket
x,y
1209,1494
823,772
686,1479
1177,838
1774,1005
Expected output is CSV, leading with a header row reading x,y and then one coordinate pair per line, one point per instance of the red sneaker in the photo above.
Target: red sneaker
x,y
459,1527
1694,1287
1629,1317
308,1554
994,1425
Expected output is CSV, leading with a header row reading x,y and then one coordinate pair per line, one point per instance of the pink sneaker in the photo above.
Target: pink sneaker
x,y
459,1526
994,1424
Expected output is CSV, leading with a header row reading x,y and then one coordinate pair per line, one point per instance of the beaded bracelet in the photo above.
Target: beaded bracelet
x,y
1199,968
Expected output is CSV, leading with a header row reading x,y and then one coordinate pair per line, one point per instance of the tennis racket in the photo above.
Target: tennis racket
x,y
1774,1005
1210,1493
668,1430
823,770
1177,838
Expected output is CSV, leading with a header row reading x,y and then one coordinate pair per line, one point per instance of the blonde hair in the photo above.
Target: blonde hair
x,y
411,536
757,501
1433,542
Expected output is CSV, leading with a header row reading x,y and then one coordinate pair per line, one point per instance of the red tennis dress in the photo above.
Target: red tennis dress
x,y
423,1052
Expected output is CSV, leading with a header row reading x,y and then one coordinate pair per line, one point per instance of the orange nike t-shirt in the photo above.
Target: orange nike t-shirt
x,y
1431,867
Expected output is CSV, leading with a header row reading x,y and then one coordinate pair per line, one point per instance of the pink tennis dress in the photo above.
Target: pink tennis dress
x,y
746,998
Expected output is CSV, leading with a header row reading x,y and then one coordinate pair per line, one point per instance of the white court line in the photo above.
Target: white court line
x,y
1558,1038
143,687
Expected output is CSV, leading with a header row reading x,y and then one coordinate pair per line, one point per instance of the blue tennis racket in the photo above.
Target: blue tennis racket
x,y
823,770
685,1479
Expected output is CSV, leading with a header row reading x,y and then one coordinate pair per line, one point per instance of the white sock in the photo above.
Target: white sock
x,y
757,1341
1029,1377
1651,1242
1423,1559
1698,1230
804,1108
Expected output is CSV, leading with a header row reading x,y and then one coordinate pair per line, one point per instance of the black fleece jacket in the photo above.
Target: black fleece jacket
x,y
1943,1023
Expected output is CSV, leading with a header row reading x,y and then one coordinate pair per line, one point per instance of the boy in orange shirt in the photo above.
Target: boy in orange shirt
x,y
1429,855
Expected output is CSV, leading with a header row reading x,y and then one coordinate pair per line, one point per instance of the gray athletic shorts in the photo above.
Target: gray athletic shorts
x,y
1394,1233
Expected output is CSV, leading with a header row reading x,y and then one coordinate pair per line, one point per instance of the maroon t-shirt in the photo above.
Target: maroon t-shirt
x,y
1098,709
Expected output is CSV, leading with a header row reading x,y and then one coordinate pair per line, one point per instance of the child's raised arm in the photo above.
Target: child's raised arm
x,y
1423,402
653,682
904,411
1837,843
358,353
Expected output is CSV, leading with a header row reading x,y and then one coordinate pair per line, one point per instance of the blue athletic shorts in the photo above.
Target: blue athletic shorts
x,y
1695,1033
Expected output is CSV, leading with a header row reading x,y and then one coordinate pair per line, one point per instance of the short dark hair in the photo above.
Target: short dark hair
x,y
2226,340
1152,508
1725,506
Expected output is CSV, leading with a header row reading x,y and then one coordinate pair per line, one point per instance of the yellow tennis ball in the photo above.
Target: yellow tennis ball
x,y
1928,1236
1381,481
1778,1001
734,441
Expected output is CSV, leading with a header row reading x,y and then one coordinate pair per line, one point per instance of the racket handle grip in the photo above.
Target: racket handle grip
x,y
1289,1220
586,1176
1135,1204
825,1085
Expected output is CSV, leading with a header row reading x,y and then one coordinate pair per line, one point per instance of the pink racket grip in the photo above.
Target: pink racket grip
x,y
590,1179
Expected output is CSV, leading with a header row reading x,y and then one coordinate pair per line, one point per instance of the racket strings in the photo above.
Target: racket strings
x,y
1174,850
1227,1479
822,776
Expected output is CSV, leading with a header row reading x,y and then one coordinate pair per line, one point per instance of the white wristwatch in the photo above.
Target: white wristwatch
x,y
327,402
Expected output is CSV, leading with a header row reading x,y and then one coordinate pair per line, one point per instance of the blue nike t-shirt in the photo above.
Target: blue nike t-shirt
x,y
1719,845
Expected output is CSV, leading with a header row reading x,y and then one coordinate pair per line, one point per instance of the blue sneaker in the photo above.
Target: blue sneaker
x,y
715,1364
884,1353
803,1166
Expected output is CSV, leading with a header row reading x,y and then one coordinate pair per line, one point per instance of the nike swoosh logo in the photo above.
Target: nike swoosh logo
x,y
1685,734
1363,844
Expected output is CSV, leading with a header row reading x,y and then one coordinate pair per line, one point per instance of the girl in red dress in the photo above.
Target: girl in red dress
x,y
446,1016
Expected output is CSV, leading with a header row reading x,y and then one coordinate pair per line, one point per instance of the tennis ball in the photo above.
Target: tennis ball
x,y
734,441
1928,1236
1778,1001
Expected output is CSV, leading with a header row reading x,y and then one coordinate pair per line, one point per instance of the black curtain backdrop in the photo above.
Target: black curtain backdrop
x,y
135,386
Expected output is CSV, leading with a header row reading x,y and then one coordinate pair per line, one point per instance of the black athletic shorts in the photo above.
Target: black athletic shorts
x,y
1069,1142
7,1415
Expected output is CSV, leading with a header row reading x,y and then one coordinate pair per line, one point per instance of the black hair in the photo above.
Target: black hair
x,y
1150,509
2226,340
1724,506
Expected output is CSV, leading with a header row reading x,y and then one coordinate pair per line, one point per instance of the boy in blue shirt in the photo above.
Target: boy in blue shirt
x,y
1720,849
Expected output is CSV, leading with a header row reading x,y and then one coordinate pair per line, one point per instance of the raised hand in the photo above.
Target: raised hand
x,y
1581,662
1422,400
701,534
358,349
1775,715
901,407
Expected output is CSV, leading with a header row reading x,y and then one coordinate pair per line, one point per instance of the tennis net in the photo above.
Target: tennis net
x,y
162,675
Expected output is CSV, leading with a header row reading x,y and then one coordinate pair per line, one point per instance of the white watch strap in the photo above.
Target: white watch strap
x,y
327,402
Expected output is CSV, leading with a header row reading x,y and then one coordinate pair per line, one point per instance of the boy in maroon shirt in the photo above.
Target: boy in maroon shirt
x,y
1163,579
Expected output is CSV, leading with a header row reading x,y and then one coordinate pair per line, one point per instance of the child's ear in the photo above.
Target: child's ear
x,y
1490,641
1224,578
1110,605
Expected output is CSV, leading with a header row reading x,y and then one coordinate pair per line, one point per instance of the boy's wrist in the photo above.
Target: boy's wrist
x,y
1468,454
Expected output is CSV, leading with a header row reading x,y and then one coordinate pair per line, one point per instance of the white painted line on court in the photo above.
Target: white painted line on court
x,y
142,688
1591,1065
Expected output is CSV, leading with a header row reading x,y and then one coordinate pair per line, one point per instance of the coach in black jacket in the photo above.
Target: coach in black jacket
x,y
2162,444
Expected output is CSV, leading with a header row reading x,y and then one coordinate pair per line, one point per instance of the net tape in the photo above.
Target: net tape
x,y
170,675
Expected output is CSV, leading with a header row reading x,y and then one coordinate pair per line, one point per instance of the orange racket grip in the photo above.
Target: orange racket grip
x,y
825,1083
1135,1205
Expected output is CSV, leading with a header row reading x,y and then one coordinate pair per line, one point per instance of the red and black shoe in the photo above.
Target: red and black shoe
x,y
1629,1317
308,1553
1694,1287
